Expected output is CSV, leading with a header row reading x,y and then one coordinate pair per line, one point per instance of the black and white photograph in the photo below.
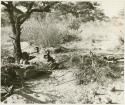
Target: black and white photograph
x,y
62,51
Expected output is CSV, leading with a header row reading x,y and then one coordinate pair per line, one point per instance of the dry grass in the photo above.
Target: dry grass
x,y
48,32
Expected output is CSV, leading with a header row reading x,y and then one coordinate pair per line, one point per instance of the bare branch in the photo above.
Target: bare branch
x,y
15,9
27,14
12,38
30,11
5,4
24,19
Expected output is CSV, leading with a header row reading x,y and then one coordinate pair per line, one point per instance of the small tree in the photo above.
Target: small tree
x,y
17,17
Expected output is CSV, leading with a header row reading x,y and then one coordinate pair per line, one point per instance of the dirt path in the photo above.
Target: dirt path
x,y
61,90
58,89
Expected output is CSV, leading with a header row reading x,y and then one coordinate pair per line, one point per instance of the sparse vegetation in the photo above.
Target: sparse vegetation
x,y
48,33
80,55
94,68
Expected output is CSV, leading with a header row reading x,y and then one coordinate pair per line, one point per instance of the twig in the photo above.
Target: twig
x,y
12,38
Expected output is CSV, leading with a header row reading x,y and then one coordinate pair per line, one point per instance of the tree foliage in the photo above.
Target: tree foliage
x,y
87,10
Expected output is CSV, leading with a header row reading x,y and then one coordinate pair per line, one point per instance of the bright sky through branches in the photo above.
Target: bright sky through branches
x,y
112,7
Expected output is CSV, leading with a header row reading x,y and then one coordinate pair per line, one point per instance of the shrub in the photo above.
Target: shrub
x,y
4,55
93,68
48,32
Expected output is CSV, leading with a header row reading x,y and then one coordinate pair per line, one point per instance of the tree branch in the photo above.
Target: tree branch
x,y
23,20
26,15
12,38
18,10
5,4
30,11
15,9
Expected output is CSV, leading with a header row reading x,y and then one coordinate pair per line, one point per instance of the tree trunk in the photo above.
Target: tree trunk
x,y
15,23
17,46
17,49
16,41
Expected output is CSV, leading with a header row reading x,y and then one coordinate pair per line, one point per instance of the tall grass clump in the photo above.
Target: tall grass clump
x,y
48,32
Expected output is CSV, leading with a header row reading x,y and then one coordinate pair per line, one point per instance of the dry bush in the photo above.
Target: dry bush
x,y
4,55
93,68
48,32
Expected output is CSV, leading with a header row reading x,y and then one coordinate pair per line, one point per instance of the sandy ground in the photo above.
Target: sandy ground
x,y
59,90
